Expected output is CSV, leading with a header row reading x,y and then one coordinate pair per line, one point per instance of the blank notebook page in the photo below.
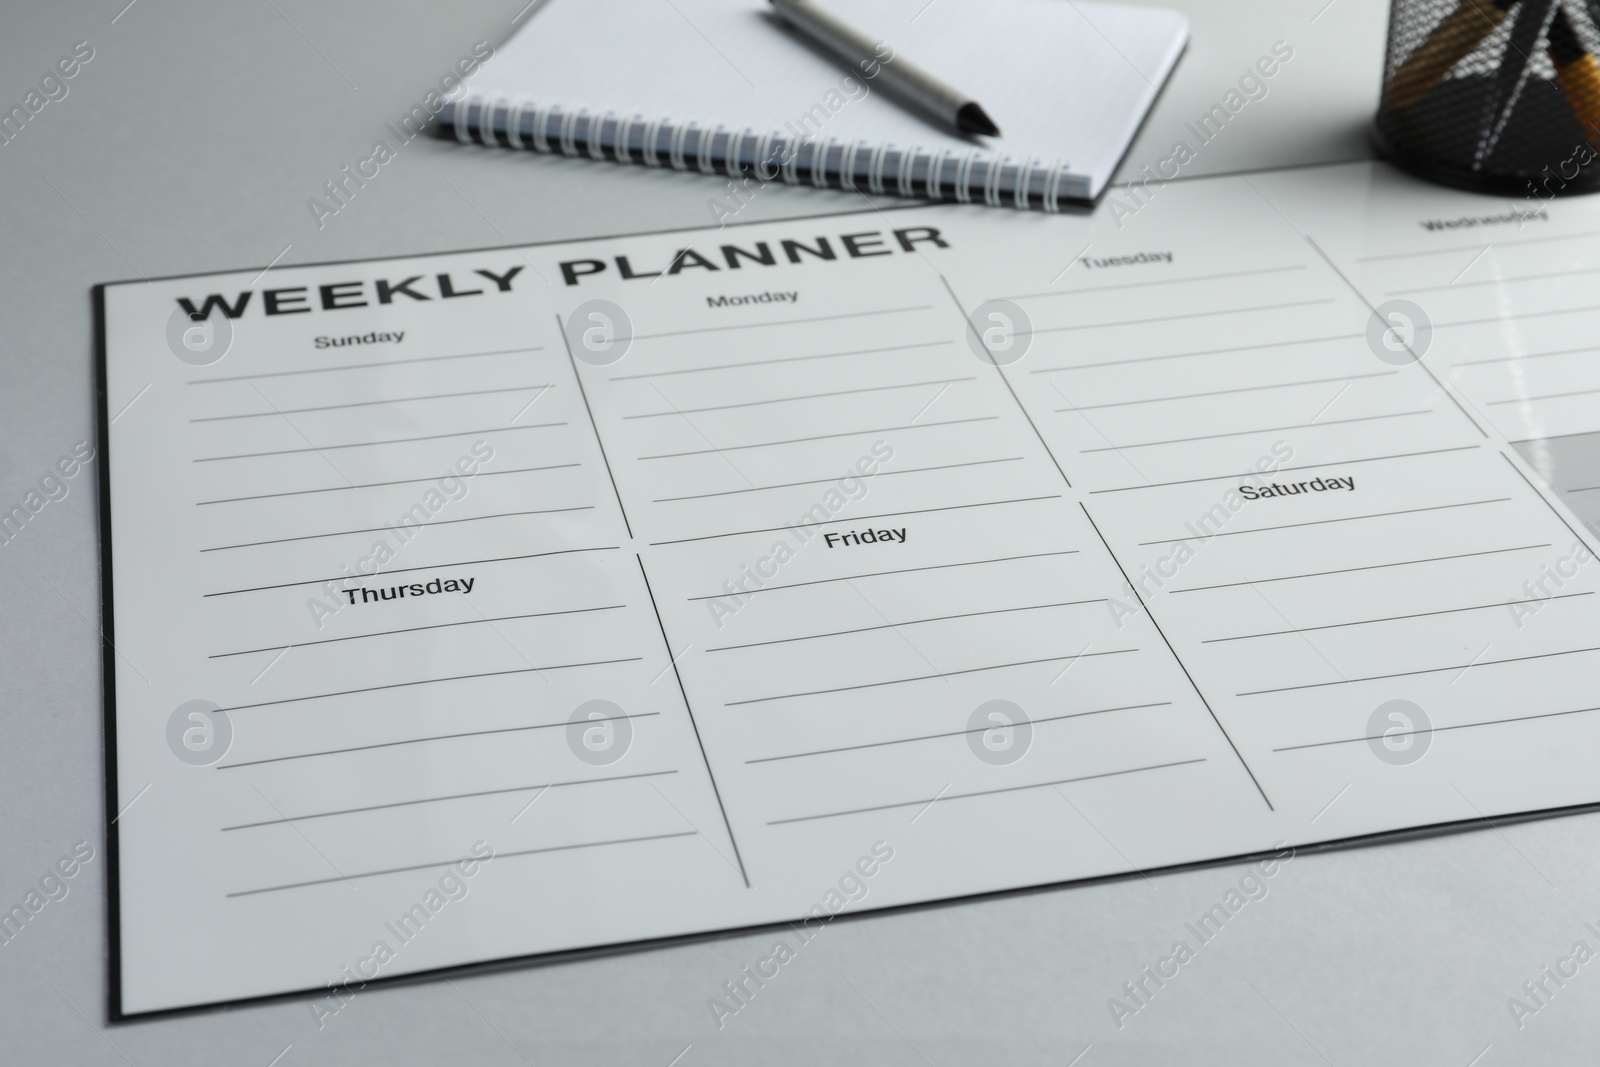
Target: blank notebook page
x,y
1064,81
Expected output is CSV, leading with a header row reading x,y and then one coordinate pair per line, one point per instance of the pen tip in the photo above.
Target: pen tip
x,y
971,119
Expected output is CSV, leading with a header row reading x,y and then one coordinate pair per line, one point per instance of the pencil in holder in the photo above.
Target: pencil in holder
x,y
1497,96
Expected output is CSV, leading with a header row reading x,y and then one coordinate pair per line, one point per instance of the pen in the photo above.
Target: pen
x,y
1457,34
901,78
1578,74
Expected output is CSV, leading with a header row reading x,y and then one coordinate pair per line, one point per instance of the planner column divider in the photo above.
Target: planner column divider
x,y
1179,660
1359,295
1009,388
593,425
672,661
1120,568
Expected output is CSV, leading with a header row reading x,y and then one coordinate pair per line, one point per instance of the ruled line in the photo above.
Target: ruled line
x,y
371,444
1473,248
1162,281
952,733
452,863
1438,729
375,485
361,366
424,740
382,529
785,359
414,629
1324,522
796,399
1207,352
1262,429
1543,396
451,796
1227,392
1427,670
1526,355
901,570
408,570
980,793
1516,315
908,622
1553,437
1351,570
1186,315
928,677
780,322
858,518
371,403
822,437
1457,286
430,681
1393,618
1280,470
834,478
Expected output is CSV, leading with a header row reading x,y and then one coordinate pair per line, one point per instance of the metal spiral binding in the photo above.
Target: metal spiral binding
x,y
880,153
594,135
569,130
707,140
908,159
514,111
1033,180
541,131
675,154
932,182
847,166
791,166
764,155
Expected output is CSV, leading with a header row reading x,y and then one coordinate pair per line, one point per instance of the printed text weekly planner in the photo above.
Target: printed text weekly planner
x,y
503,603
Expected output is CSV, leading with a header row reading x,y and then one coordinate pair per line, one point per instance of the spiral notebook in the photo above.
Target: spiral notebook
x,y
721,86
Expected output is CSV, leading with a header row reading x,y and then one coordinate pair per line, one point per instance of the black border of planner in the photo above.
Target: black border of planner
x,y
115,1013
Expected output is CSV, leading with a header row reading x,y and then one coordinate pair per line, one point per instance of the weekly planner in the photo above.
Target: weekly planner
x,y
523,601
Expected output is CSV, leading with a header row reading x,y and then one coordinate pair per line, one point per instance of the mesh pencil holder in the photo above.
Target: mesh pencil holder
x,y
1497,96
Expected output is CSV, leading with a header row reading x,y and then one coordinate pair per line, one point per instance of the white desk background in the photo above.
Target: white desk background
x,y
190,143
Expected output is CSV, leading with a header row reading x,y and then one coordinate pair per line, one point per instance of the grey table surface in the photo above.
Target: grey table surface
x,y
191,142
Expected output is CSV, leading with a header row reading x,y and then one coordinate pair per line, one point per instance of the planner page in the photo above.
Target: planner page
x,y
525,601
